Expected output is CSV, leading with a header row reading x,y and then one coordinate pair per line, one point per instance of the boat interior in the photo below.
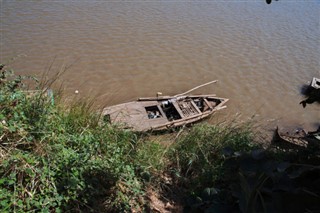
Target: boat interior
x,y
179,109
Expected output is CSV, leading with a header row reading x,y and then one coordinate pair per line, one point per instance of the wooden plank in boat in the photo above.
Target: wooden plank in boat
x,y
176,105
195,106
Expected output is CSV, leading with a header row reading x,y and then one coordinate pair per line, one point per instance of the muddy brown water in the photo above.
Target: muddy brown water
x,y
120,50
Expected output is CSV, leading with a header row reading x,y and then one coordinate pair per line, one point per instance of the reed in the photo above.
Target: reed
x,y
197,156
57,157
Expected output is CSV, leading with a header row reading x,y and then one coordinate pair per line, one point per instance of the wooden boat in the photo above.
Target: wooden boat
x,y
291,140
315,83
163,112
297,139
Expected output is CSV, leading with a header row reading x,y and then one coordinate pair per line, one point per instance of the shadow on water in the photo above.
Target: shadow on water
x,y
269,1
311,93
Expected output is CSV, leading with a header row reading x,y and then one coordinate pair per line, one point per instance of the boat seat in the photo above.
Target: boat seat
x,y
188,108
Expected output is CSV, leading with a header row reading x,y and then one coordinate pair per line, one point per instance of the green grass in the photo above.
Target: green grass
x,y
64,158
57,157
198,155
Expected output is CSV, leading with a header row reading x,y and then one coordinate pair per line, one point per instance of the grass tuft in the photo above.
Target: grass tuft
x,y
197,156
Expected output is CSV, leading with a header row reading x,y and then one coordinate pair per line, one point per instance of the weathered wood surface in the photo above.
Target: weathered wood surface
x,y
134,114
161,98
197,87
297,140
315,83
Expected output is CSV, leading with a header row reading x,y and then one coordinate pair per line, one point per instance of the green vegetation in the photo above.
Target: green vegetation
x,y
59,158
197,156
64,158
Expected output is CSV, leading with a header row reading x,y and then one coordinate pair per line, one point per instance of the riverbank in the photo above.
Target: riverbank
x,y
61,157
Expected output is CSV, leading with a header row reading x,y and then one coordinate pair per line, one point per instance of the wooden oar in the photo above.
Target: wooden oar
x,y
202,85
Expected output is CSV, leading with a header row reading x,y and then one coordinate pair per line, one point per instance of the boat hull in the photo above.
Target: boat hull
x,y
162,113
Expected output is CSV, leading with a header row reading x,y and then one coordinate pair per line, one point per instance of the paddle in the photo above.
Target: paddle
x,y
202,85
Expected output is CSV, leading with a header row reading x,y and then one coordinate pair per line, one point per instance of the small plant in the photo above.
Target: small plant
x,y
150,159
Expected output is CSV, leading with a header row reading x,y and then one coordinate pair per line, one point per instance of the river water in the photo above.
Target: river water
x,y
120,50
